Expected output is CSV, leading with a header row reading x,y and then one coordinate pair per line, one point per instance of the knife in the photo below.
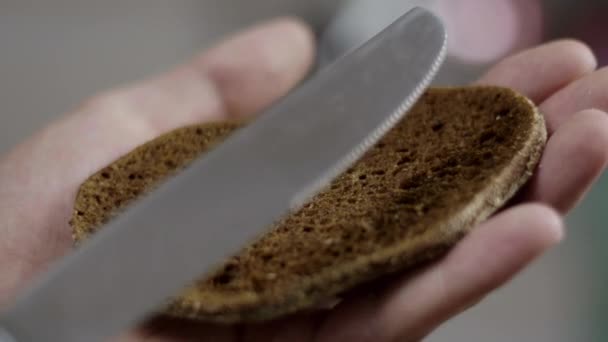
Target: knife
x,y
234,193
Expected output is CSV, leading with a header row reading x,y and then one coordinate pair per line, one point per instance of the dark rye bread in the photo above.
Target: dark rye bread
x,y
458,156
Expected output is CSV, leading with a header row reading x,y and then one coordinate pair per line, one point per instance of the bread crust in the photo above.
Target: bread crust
x,y
203,302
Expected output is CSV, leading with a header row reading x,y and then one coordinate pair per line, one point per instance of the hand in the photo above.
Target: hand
x,y
39,179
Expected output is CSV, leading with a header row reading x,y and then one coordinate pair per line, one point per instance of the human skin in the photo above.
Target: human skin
x,y
241,76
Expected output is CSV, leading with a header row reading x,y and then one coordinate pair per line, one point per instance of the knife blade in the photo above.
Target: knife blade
x,y
234,193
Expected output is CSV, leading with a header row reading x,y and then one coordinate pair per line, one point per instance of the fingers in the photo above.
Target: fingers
x,y
588,92
486,259
558,76
539,72
252,73
236,78
575,156
38,180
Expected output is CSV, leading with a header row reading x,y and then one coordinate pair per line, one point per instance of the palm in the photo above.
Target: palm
x,y
246,74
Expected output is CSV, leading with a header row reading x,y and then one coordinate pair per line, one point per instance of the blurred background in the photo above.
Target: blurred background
x,y
54,55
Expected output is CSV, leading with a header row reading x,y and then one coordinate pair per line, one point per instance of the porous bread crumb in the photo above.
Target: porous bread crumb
x,y
458,156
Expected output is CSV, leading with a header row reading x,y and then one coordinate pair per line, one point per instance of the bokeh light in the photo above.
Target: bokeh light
x,y
483,31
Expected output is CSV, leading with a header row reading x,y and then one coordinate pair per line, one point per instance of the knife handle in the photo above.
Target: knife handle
x,y
5,336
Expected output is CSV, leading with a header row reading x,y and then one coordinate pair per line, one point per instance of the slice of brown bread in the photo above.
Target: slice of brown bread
x,y
458,156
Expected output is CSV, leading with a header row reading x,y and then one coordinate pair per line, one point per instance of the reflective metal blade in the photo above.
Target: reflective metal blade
x,y
234,193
